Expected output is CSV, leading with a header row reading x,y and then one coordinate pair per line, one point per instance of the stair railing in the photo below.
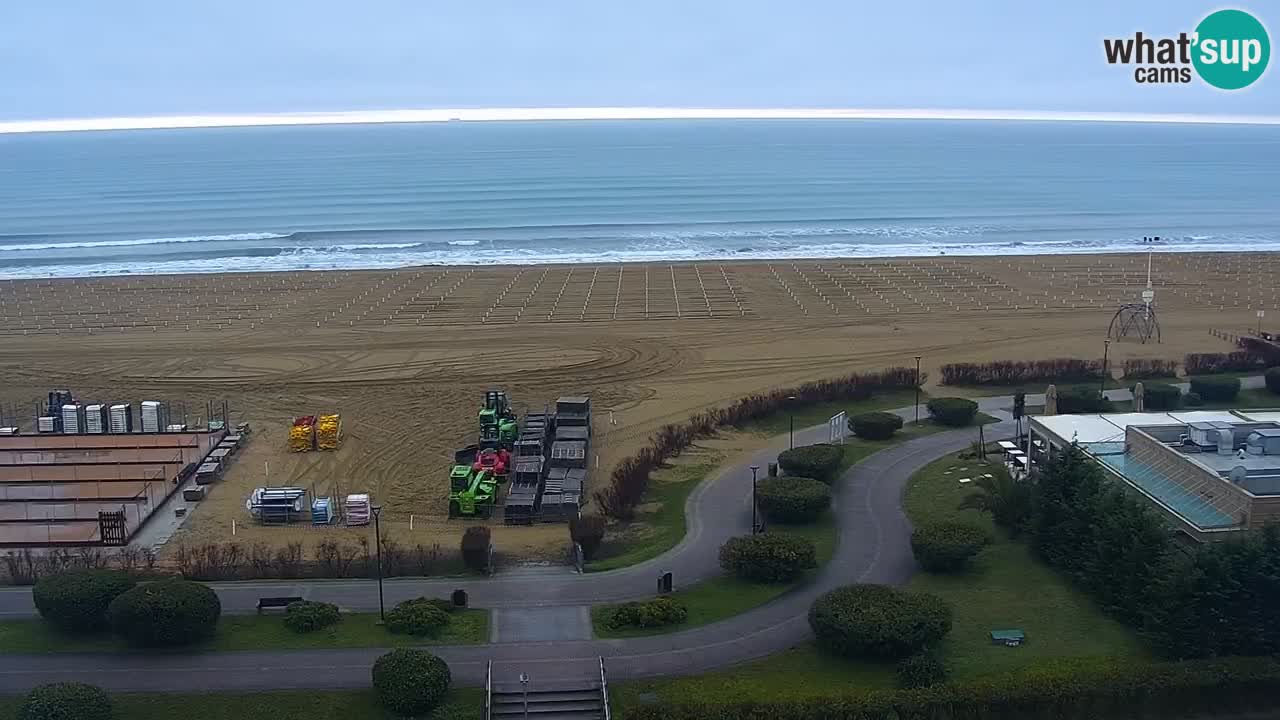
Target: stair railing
x,y
604,689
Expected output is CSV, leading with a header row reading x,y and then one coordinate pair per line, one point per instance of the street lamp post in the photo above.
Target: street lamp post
x,y
754,524
377,538
1106,347
791,434
917,389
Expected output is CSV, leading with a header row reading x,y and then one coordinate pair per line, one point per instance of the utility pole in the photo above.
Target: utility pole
x,y
377,538
791,434
1106,347
917,389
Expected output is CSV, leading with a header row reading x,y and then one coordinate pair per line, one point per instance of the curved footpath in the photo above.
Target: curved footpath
x,y
873,545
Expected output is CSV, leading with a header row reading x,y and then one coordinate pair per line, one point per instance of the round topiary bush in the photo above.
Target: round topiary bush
x,y
1216,389
921,670
875,425
1083,400
1161,396
947,546
953,411
308,616
1192,399
768,557
877,621
420,616
657,612
410,682
1272,378
812,461
66,701
77,600
793,500
166,613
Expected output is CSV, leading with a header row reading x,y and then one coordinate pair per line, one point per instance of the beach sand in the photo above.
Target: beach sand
x,y
405,355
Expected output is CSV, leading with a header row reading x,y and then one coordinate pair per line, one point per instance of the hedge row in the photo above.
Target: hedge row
x,y
658,612
875,425
792,500
878,621
1082,400
630,478
819,462
1273,380
1211,688
1216,389
77,601
1149,368
768,557
1209,363
956,412
1161,396
1016,372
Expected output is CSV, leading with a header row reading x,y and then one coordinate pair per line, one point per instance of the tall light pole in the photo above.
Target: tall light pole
x,y
791,434
377,538
1106,347
754,524
917,389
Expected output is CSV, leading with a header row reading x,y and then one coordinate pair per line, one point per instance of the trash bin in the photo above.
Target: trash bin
x,y
460,598
665,583
773,469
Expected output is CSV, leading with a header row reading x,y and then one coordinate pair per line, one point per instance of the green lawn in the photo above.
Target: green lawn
x,y
816,414
659,524
460,704
254,632
1007,588
725,596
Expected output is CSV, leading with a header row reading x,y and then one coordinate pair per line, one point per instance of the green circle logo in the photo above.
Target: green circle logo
x,y
1232,49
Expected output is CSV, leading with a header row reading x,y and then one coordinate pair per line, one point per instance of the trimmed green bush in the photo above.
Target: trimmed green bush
x,y
1272,377
1161,396
1082,400
875,425
953,411
793,500
77,600
166,613
877,621
946,547
66,701
768,557
924,669
819,462
1192,399
1101,691
421,617
657,612
410,682
307,616
1216,389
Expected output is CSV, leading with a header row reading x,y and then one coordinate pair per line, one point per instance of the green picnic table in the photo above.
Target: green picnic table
x,y
1008,638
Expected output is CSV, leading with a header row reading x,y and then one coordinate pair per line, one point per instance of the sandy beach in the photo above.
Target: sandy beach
x,y
404,355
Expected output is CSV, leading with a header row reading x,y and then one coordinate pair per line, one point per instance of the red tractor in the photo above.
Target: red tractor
x,y
496,461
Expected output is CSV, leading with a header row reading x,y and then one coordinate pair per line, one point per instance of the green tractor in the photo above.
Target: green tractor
x,y
472,491
498,427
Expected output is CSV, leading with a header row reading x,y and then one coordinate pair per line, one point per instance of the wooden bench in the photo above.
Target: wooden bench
x,y
276,602
1008,638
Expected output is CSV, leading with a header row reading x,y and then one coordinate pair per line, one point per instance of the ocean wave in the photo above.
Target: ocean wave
x,y
464,243
237,237
348,260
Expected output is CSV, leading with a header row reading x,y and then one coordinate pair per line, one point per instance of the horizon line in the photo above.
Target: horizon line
x,y
535,114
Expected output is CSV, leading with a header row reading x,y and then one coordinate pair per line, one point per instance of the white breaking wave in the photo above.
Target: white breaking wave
x,y
368,246
351,261
432,115
143,241
464,243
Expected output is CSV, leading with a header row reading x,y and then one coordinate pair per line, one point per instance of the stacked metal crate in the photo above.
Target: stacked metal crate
x,y
528,468
565,486
153,416
121,418
95,419
72,419
46,424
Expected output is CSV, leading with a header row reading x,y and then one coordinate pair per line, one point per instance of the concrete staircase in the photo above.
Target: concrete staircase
x,y
549,700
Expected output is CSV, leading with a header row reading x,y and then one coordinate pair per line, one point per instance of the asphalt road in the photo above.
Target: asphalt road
x,y
873,545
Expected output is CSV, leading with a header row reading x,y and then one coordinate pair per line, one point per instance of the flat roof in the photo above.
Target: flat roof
x,y
1082,428
1259,415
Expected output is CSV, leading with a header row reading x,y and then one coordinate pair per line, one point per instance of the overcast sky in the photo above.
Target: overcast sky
x,y
89,58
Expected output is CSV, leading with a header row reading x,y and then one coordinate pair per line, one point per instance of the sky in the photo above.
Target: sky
x,y
88,58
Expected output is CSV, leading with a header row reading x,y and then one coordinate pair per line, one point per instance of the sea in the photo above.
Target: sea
x,y
391,195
